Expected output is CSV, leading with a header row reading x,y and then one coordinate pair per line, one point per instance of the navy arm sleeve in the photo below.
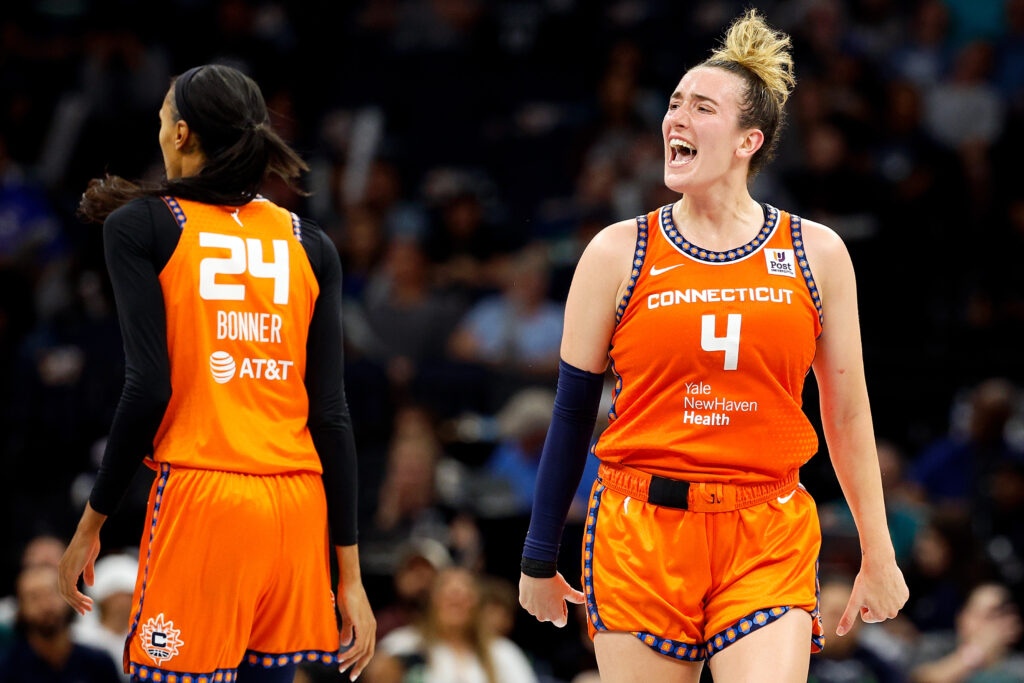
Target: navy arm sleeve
x,y
329,421
130,244
561,465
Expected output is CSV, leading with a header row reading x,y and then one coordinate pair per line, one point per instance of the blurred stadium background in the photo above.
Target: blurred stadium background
x,y
463,153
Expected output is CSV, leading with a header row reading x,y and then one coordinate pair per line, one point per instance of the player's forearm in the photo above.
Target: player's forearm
x,y
348,565
91,521
851,445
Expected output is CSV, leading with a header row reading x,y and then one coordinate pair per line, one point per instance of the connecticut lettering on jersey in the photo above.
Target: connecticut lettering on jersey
x,y
239,293
710,353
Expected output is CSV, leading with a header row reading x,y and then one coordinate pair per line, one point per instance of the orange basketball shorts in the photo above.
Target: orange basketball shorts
x,y
688,584
232,567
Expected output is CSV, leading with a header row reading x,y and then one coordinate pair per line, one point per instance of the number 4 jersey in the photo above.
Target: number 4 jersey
x,y
710,352
239,294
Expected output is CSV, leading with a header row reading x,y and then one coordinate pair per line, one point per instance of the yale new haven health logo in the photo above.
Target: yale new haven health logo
x,y
222,366
160,639
780,262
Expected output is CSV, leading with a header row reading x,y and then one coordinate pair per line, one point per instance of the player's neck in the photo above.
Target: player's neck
x,y
192,164
721,217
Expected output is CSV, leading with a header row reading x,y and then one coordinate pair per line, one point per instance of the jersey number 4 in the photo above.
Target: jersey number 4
x,y
244,255
730,343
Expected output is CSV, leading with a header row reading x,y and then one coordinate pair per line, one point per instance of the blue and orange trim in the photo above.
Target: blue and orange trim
x,y
151,674
175,207
165,472
271,660
266,660
744,626
676,239
805,267
672,648
296,226
638,263
588,559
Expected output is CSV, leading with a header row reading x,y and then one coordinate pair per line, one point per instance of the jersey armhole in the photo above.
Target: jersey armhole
x,y
805,268
639,252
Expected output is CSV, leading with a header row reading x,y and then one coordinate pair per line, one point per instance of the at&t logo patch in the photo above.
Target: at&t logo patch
x,y
222,366
780,262
160,639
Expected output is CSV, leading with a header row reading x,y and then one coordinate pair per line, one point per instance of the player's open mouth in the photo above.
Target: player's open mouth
x,y
682,152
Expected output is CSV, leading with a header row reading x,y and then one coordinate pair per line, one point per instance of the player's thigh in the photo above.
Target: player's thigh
x,y
622,658
780,647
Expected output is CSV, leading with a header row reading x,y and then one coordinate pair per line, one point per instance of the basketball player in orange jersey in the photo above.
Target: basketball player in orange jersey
x,y
230,312
700,544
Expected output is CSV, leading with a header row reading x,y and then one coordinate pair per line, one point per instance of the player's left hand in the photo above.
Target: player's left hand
x,y
78,559
358,629
878,593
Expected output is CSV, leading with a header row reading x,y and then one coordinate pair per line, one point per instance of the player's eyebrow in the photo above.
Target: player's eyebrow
x,y
704,98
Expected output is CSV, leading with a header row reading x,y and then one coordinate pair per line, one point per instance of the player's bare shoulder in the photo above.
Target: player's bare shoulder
x,y
608,259
614,243
827,254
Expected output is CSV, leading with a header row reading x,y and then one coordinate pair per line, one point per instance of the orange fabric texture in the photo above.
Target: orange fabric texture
x,y
239,294
710,354
232,565
689,583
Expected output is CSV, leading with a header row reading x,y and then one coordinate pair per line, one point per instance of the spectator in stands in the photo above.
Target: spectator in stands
x,y
43,650
452,644
522,425
957,468
980,651
519,330
111,592
407,321
420,561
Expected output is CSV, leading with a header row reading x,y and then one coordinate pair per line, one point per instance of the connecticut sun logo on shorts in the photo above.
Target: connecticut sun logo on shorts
x,y
160,639
222,366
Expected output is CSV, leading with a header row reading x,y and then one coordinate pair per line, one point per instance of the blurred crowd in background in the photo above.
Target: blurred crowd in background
x,y
463,153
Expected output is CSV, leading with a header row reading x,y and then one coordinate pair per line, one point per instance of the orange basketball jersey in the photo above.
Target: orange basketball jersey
x,y
239,294
710,352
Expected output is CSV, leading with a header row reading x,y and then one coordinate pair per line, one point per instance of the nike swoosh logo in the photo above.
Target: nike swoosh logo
x,y
786,499
656,271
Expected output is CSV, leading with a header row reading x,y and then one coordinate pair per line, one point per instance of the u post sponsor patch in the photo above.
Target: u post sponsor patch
x,y
780,262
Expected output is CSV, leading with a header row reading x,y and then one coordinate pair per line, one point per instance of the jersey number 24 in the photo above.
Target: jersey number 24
x,y
245,255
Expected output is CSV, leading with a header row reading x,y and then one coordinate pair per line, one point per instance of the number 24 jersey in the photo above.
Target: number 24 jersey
x,y
239,294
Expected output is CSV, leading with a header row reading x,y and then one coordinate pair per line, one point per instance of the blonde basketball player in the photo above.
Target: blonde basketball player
x,y
700,544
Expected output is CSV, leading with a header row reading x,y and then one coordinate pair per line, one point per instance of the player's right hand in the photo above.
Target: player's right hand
x,y
358,629
546,598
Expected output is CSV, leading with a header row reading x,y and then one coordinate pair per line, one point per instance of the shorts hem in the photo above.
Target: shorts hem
x,y
152,674
687,652
744,627
273,660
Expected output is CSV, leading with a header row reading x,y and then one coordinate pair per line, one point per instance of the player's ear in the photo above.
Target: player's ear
x,y
752,141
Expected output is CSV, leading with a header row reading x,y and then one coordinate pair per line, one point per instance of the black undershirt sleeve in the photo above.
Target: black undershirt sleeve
x,y
329,421
138,239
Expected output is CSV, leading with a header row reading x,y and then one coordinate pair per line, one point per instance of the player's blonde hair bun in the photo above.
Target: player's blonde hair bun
x,y
759,55
756,46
